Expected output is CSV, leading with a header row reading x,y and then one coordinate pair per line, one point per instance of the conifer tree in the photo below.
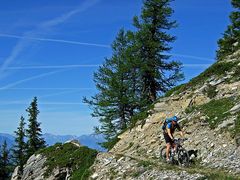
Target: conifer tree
x,y
4,162
230,42
115,100
20,147
158,73
34,132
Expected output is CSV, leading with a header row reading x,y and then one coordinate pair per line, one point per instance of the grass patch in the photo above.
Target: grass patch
x,y
144,163
218,69
175,90
79,159
216,110
218,176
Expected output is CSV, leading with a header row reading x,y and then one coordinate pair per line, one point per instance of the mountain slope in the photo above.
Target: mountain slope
x,y
209,106
8,138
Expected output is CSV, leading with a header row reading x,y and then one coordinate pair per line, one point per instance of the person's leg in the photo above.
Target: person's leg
x,y
168,146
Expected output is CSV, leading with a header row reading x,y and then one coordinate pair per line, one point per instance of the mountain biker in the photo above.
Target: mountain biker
x,y
169,127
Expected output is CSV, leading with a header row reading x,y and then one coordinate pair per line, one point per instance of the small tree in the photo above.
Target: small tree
x,y
4,162
20,147
230,42
34,132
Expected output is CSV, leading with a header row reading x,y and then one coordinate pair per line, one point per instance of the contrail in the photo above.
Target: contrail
x,y
45,26
81,66
190,56
196,65
54,67
95,44
56,40
42,103
37,89
28,79
60,93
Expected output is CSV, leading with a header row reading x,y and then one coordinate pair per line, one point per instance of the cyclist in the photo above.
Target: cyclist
x,y
169,127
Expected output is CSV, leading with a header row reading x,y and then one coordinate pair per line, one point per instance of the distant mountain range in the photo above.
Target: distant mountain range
x,y
87,140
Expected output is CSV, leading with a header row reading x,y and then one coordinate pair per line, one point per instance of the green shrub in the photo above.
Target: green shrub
x,y
79,159
211,91
190,109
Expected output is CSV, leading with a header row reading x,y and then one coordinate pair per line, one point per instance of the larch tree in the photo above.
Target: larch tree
x,y
158,73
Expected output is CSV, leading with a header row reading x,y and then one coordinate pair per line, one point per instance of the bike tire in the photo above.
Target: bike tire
x,y
183,157
163,154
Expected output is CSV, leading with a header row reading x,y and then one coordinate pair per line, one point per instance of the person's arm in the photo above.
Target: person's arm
x,y
180,130
182,133
169,133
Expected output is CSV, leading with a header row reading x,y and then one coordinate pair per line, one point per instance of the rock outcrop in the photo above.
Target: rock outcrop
x,y
60,157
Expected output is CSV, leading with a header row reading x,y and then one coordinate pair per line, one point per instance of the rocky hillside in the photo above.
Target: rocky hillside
x,y
58,162
209,106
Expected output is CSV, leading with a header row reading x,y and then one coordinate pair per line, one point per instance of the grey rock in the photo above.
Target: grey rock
x,y
226,123
235,109
16,175
216,82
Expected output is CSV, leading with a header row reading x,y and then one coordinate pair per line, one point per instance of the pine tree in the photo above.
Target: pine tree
x,y
34,132
158,73
20,147
114,102
4,162
231,37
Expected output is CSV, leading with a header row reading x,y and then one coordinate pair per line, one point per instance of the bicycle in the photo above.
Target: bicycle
x,y
182,154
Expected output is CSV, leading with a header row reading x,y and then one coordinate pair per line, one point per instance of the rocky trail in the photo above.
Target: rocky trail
x,y
123,166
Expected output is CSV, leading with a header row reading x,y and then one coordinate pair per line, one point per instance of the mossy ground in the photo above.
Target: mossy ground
x,y
79,159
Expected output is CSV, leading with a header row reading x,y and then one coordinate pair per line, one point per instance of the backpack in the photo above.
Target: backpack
x,y
167,120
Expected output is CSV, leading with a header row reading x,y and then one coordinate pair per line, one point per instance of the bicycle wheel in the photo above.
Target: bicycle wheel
x,y
183,157
163,154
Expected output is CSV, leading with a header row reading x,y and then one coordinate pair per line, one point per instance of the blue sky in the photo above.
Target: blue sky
x,y
50,49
